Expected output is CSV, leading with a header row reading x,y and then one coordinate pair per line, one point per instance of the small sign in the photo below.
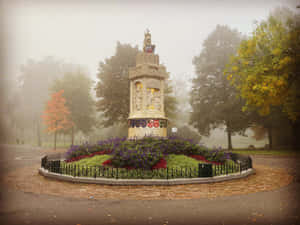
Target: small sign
x,y
174,129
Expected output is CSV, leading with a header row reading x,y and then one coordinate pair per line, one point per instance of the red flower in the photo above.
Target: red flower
x,y
107,162
161,164
129,167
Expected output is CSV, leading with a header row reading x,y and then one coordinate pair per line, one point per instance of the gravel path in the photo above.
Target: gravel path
x,y
41,206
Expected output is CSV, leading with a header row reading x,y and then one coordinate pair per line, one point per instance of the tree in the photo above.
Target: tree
x,y
186,132
214,101
170,101
181,92
77,92
113,86
265,70
270,125
33,86
57,116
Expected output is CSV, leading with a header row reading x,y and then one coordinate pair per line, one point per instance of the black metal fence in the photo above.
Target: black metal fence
x,y
203,170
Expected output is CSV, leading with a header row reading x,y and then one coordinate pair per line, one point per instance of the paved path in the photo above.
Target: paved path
x,y
281,206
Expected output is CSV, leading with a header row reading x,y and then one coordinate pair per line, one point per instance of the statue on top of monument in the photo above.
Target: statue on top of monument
x,y
148,47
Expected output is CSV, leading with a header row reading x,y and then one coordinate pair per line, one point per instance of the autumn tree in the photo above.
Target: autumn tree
x,y
77,88
266,67
57,116
113,86
265,70
214,101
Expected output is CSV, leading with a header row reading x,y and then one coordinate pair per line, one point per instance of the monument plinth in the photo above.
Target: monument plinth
x,y
147,115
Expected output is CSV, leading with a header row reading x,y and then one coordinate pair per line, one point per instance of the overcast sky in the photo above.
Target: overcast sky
x,y
86,33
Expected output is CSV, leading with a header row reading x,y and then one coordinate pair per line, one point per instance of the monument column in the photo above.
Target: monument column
x,y
147,115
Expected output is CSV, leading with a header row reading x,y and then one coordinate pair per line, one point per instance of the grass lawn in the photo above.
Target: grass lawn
x,y
96,160
268,152
181,161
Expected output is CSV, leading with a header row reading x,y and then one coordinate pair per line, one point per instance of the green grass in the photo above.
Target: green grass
x,y
96,160
268,152
181,161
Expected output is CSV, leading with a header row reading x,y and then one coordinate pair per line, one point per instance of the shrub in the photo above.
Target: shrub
x,y
136,156
75,151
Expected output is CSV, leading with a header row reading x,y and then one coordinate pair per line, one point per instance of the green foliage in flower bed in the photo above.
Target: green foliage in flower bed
x,y
96,160
181,161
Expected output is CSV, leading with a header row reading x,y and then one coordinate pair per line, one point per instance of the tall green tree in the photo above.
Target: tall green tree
x,y
214,101
77,91
170,101
113,86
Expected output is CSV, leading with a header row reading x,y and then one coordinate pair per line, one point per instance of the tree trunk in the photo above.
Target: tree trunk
x,y
55,133
39,134
229,139
72,136
270,138
295,136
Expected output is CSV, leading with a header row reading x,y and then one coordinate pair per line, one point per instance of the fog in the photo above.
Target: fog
x,y
78,36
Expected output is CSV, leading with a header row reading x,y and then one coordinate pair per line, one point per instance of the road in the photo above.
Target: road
x,y
280,206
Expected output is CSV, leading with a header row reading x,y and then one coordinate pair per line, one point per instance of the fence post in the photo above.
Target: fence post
x,y
226,167
60,167
167,173
44,162
250,162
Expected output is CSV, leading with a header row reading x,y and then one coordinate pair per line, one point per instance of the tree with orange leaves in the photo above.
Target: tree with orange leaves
x,y
56,116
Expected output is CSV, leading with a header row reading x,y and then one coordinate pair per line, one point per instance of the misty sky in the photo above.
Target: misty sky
x,y
86,33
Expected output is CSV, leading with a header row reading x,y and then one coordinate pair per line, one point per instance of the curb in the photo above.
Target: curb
x,y
147,182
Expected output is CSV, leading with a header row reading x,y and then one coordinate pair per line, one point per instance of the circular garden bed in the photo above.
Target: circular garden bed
x,y
147,158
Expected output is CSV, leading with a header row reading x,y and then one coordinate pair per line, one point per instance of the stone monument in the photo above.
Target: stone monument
x,y
147,115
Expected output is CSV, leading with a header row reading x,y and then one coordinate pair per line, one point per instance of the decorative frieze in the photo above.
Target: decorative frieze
x,y
151,123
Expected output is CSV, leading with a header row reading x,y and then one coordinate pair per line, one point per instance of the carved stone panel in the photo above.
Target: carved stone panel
x,y
153,94
138,96
153,99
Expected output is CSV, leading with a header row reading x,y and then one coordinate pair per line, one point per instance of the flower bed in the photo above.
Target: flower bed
x,y
147,153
